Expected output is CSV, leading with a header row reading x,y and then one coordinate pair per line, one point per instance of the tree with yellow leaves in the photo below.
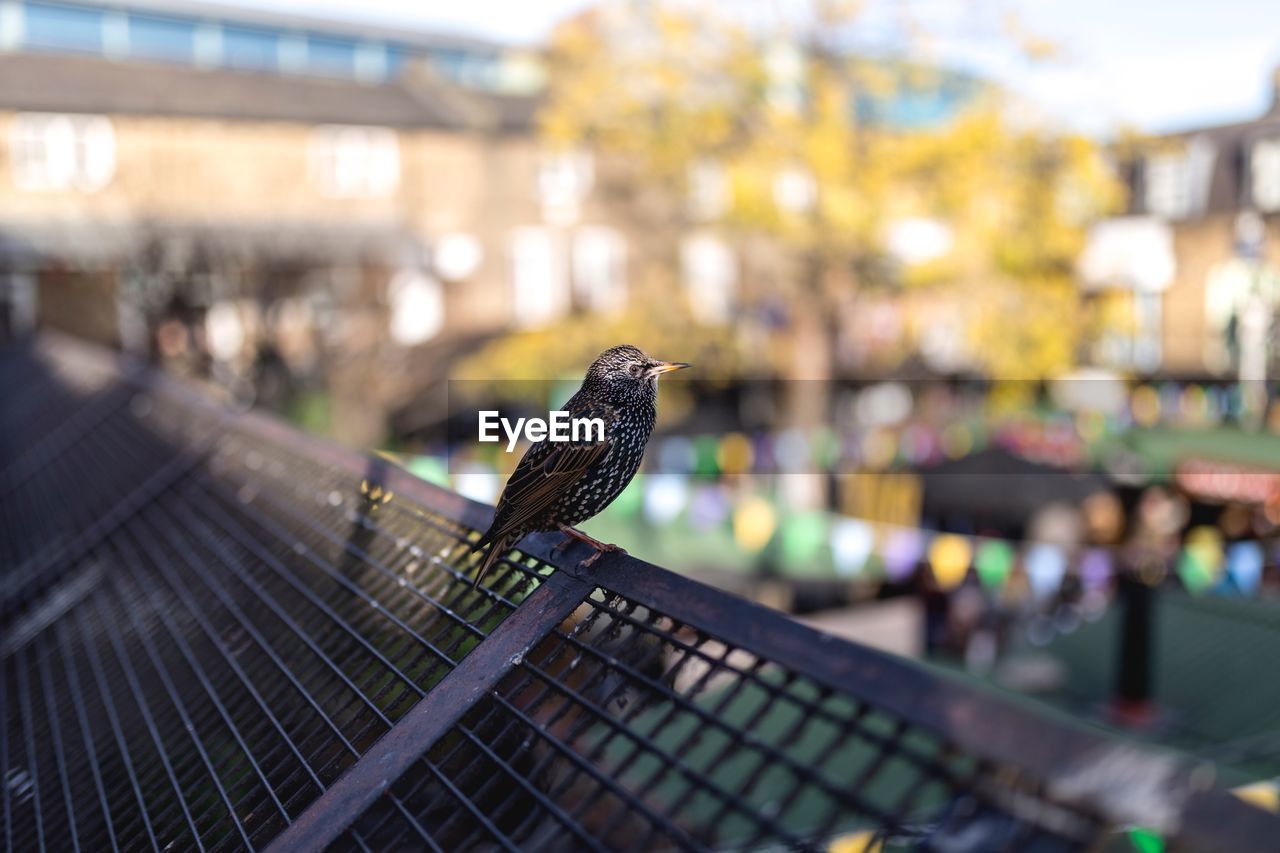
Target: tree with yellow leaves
x,y
687,101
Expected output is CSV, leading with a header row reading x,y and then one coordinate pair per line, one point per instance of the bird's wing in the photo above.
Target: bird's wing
x,y
547,470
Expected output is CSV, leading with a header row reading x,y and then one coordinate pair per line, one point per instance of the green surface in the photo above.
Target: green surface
x,y
1161,448
850,750
1216,678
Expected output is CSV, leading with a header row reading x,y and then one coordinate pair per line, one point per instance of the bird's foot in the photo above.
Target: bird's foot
x,y
572,533
604,548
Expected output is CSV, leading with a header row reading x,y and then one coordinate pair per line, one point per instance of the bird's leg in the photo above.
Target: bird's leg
x,y
586,564
572,533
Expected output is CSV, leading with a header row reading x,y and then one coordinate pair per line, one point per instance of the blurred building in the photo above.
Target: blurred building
x,y
208,35
1188,282
281,203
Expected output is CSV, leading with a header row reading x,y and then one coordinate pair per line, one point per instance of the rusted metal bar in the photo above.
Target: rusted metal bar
x,y
478,673
1124,782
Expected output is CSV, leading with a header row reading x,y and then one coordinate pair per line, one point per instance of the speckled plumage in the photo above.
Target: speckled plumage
x,y
565,483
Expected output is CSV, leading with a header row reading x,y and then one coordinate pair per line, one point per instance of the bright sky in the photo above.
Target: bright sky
x,y
1153,64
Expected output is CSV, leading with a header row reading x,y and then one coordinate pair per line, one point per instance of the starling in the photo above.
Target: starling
x,y
560,484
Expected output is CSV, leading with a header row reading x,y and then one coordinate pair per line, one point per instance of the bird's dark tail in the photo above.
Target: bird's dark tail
x,y
497,547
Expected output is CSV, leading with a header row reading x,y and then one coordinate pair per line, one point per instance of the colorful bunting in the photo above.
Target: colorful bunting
x,y
949,558
735,454
708,508
1244,565
665,496
903,551
753,524
826,449
676,455
1095,569
821,541
852,542
1200,562
1046,564
803,535
705,449
791,451
994,562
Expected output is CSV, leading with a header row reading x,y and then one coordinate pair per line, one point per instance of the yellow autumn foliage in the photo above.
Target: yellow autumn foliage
x,y
654,88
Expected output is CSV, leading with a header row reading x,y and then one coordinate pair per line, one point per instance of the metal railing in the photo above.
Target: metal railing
x,y
222,634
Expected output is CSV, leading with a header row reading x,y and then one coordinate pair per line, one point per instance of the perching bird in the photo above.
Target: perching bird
x,y
560,484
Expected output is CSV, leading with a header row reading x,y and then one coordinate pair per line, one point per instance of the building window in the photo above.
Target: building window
x,y
539,293
457,256
63,28
49,151
708,190
331,57
1168,185
162,38
469,68
207,47
416,301
10,26
371,61
1264,173
292,53
250,50
795,191
1177,182
600,269
356,161
1229,290
710,273
564,180
398,59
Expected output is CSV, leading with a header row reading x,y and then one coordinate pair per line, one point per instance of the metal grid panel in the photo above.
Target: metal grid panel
x,y
214,637
629,730
198,672
50,422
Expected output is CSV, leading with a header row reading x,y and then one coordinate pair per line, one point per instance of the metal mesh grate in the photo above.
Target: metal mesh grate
x,y
41,514
198,672
629,730
219,634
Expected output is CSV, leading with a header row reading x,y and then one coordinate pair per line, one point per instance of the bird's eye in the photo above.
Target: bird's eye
x,y
635,369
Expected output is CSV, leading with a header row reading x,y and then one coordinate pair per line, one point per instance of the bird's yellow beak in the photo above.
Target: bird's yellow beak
x,y
660,367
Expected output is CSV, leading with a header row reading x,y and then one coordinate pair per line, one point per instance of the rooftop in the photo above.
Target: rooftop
x,y
177,33
1223,154
419,98
248,14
